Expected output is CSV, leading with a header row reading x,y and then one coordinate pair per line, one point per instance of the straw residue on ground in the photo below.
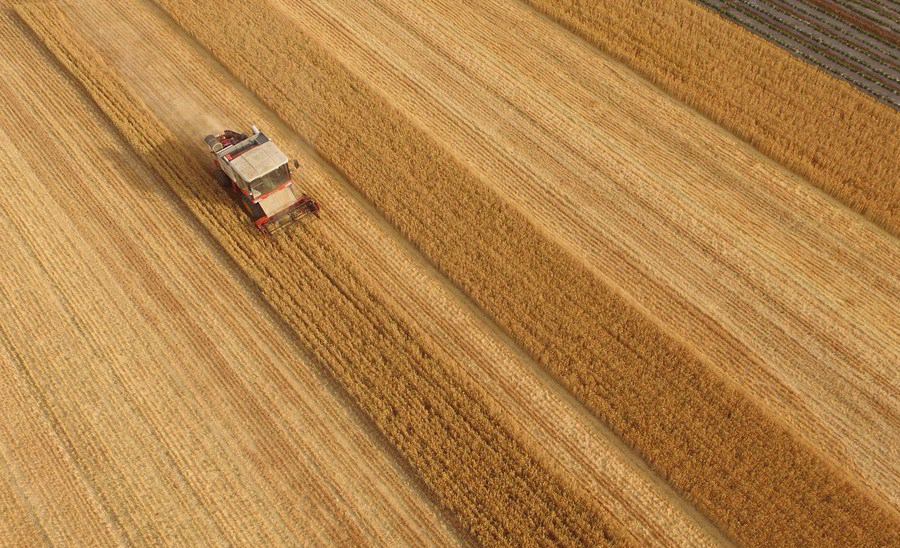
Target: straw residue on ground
x,y
594,202
135,409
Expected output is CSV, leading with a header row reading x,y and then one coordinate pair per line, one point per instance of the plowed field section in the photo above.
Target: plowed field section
x,y
656,394
134,409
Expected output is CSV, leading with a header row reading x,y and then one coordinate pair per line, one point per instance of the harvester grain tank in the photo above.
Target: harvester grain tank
x,y
258,174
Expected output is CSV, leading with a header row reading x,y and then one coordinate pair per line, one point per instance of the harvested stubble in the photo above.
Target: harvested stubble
x,y
842,140
753,478
501,487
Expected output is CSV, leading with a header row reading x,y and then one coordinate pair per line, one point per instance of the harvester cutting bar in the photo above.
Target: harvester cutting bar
x,y
303,207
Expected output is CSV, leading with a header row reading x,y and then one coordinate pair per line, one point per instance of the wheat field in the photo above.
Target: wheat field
x,y
546,302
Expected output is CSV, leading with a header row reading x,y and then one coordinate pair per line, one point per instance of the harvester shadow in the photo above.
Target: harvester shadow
x,y
137,169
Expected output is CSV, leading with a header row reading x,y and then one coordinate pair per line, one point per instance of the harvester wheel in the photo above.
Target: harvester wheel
x,y
222,178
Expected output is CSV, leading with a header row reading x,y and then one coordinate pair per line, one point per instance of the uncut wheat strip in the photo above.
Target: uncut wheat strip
x,y
529,492
778,103
797,467
642,509
882,462
533,522
536,196
363,301
588,171
812,70
99,219
843,425
502,67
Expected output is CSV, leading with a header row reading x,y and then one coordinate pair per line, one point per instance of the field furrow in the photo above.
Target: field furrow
x,y
671,406
452,433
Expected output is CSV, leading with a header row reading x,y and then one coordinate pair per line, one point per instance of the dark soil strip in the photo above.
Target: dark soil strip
x,y
843,42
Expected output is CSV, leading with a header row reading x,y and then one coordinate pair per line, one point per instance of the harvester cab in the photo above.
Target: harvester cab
x,y
257,172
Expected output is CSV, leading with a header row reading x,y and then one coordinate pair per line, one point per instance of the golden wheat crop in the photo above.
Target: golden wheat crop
x,y
703,435
146,45
453,435
841,139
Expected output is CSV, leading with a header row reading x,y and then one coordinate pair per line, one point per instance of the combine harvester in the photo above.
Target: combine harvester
x,y
257,172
